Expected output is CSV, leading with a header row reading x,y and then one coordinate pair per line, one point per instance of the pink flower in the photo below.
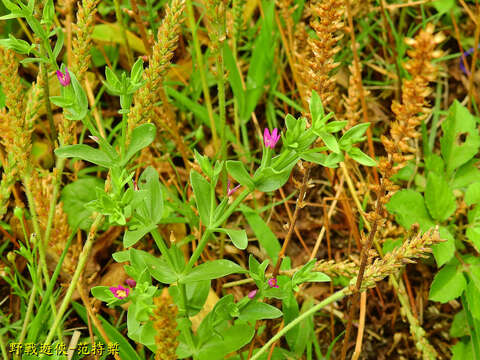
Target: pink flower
x,y
273,283
135,186
94,138
252,294
230,192
130,282
119,292
270,140
63,78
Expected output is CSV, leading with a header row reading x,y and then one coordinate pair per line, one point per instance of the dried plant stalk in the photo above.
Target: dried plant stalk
x,y
413,109
159,62
353,106
164,322
316,60
17,138
83,36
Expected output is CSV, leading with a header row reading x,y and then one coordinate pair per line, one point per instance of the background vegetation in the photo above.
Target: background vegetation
x,y
240,179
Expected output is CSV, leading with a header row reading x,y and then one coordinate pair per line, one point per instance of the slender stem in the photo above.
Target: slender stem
x,y
31,302
363,264
2,346
298,206
231,208
334,297
31,205
221,103
50,286
198,251
82,260
201,69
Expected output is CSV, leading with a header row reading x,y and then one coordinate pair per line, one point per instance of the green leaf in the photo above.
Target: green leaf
x,y
238,237
234,78
74,197
121,256
86,153
460,141
360,157
48,12
335,126
269,179
448,284
142,136
472,195
212,270
463,350
233,338
203,194
443,6
472,293
409,208
459,326
316,108
125,350
103,293
330,141
353,135
131,237
466,174
204,163
240,174
161,271
265,236
256,310
154,200
439,197
444,251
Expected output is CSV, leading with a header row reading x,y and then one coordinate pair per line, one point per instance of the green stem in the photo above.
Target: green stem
x,y
47,295
334,297
82,260
201,69
221,103
36,226
31,302
232,208
2,346
198,251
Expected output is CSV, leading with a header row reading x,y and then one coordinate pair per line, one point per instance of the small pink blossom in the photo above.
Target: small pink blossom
x,y
273,283
120,292
270,140
252,294
130,282
64,79
94,138
230,191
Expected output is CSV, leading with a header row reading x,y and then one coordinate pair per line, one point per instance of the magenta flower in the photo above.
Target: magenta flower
x,y
94,138
273,283
130,282
252,294
63,78
270,140
230,191
119,292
